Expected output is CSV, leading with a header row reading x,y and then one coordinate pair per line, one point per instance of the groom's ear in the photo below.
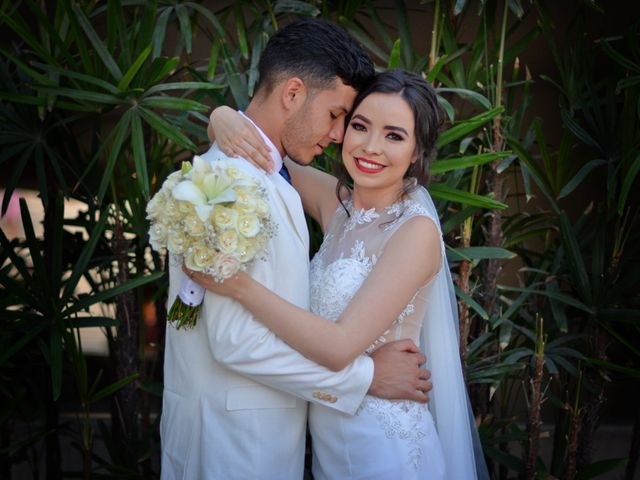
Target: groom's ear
x,y
294,92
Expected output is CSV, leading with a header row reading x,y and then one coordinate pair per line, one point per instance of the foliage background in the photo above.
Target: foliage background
x,y
536,182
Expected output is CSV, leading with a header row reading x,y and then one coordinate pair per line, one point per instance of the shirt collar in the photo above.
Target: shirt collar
x,y
275,154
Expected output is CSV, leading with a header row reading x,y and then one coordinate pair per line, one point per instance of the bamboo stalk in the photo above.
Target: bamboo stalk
x,y
534,421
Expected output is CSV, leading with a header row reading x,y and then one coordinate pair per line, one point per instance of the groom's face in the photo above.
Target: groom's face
x,y
317,123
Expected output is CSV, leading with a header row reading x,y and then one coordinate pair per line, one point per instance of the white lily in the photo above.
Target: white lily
x,y
206,188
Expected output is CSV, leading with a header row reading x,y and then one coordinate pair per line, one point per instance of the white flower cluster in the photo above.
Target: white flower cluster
x,y
213,216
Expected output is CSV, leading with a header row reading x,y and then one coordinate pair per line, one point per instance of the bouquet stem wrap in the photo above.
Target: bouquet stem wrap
x,y
186,307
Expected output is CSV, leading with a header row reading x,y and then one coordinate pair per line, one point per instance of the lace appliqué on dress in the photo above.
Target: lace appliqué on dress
x,y
402,419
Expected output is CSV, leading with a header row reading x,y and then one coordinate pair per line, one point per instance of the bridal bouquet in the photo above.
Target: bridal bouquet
x,y
215,219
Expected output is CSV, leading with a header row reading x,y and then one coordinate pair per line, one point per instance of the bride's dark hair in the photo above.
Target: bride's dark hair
x,y
428,119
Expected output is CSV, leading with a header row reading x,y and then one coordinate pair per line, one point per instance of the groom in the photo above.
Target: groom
x,y
235,397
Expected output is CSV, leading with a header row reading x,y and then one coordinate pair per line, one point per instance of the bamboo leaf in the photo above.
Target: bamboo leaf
x,y
182,104
86,301
182,86
139,155
479,253
80,266
394,58
550,294
185,26
442,166
160,31
444,192
98,46
574,256
465,93
134,69
468,299
241,30
113,388
629,179
577,179
81,95
166,129
55,351
467,126
119,134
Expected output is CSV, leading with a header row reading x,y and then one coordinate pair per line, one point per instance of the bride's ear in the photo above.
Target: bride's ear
x,y
293,94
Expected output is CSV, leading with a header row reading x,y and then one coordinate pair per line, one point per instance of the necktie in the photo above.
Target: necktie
x,y
285,174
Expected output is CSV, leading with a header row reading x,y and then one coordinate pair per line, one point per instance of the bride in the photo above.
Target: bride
x,y
380,275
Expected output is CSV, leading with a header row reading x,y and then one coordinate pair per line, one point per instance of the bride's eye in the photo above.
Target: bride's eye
x,y
395,137
358,126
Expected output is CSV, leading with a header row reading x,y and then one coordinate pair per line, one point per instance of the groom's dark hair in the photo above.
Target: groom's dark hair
x,y
317,51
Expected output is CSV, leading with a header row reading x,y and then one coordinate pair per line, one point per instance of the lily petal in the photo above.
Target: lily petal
x,y
204,211
189,192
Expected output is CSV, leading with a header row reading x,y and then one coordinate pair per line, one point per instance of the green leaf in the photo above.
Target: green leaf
x,y
577,179
98,46
174,103
467,126
479,253
182,86
475,97
394,58
55,350
81,95
139,155
444,192
113,388
160,31
551,294
80,266
86,301
241,30
468,299
166,129
574,256
119,134
614,367
629,178
133,70
442,166
185,26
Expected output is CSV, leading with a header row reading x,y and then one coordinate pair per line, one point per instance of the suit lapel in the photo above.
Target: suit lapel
x,y
292,208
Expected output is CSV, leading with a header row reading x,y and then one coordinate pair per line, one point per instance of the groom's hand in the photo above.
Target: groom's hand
x,y
397,373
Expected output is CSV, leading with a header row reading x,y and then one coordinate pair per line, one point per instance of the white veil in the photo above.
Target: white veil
x,y
449,404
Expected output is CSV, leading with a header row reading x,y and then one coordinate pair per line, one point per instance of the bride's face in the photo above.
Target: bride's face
x,y
379,142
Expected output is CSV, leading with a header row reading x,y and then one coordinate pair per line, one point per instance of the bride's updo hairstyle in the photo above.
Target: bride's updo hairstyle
x,y
428,119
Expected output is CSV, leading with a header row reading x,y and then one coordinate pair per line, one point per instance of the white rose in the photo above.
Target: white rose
x,y
225,266
158,236
262,208
194,226
245,250
248,225
228,241
172,210
201,256
178,241
225,218
245,201
172,180
156,205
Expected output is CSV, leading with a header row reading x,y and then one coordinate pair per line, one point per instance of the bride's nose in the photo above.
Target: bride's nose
x,y
372,145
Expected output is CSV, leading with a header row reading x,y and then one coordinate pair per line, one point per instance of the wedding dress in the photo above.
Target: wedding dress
x,y
388,439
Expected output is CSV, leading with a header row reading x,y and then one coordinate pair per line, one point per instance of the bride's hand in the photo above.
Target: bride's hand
x,y
230,287
238,137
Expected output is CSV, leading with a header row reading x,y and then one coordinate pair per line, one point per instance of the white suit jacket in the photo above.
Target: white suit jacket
x,y
235,395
